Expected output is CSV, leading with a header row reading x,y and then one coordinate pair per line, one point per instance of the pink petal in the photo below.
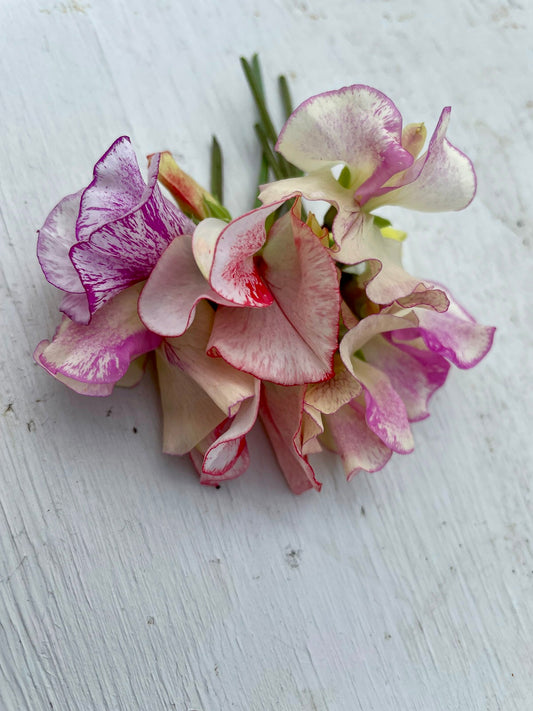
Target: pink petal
x,y
167,304
56,237
226,386
100,353
358,446
96,390
187,192
76,307
234,274
356,125
293,340
189,413
440,180
386,414
455,335
227,456
414,379
385,279
123,226
280,410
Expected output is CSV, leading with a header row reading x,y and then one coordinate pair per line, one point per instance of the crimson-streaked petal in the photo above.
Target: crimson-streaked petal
x,y
233,273
455,335
76,307
358,446
280,411
56,237
100,353
189,413
167,304
442,179
227,455
356,125
123,226
227,387
293,340
409,376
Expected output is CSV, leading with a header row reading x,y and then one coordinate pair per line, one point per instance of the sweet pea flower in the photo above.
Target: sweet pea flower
x,y
361,129
389,364
109,236
278,295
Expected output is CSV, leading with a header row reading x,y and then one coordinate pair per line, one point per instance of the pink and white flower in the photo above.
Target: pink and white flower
x,y
360,128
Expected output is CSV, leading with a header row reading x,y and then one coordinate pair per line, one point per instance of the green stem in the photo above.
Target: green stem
x,y
217,187
285,94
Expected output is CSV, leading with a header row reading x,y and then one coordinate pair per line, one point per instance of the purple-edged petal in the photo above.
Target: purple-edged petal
x,y
359,447
124,226
281,411
410,377
167,304
455,335
76,307
100,353
93,389
56,237
356,125
386,414
293,340
442,179
233,272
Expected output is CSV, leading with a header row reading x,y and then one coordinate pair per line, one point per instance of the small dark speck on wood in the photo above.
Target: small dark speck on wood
x,y
363,512
134,430
150,620
9,408
292,556
31,426
108,413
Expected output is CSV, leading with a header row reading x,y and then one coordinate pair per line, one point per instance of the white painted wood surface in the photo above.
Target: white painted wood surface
x,y
124,584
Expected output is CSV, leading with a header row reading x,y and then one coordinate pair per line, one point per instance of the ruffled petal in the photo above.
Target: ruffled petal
x,y
189,413
100,353
76,307
410,377
167,304
358,446
385,279
357,125
227,387
293,340
123,226
281,410
233,273
330,395
442,179
227,457
386,414
56,237
455,335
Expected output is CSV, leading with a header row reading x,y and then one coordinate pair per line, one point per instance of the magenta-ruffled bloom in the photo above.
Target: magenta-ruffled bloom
x,y
109,236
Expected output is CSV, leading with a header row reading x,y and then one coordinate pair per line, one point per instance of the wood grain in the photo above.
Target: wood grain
x,y
124,584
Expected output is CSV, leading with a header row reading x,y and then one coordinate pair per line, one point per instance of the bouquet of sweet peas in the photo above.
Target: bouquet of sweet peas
x,y
310,324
